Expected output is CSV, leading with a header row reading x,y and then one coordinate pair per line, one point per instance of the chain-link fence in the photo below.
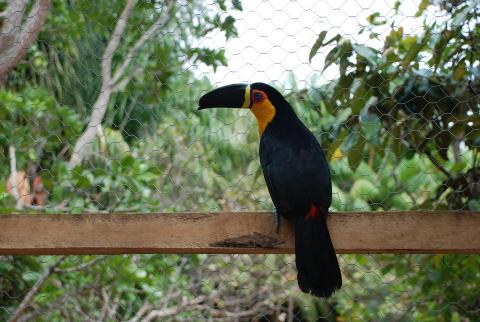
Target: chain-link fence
x,y
98,114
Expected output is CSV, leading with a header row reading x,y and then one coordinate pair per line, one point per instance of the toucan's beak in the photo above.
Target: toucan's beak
x,y
232,96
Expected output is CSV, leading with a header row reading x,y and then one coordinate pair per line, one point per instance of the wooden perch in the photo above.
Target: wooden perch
x,y
231,233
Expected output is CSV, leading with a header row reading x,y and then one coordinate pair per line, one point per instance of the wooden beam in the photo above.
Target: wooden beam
x,y
226,233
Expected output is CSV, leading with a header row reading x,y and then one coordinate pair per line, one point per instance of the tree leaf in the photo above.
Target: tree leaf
x,y
460,15
316,46
237,4
331,57
459,71
412,53
355,154
370,125
366,52
372,19
421,7
397,145
350,141
221,4
338,141
360,97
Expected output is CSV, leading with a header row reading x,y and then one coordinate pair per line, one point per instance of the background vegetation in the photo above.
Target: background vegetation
x,y
400,125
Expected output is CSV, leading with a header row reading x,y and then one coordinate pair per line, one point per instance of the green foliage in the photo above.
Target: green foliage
x,y
422,288
17,275
36,125
36,110
419,95
412,112
67,63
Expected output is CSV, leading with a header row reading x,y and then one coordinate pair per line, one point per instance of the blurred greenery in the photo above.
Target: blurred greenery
x,y
400,125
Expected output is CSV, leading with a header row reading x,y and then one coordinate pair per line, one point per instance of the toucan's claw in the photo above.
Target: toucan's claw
x,y
276,215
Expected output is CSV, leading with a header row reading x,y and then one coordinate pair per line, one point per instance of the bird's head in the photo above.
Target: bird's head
x,y
264,101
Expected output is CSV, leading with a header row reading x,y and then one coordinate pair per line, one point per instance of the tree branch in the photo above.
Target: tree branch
x,y
86,139
11,24
102,144
114,42
428,153
170,311
82,266
120,86
162,20
58,303
109,84
27,300
437,164
144,309
13,174
12,51
126,118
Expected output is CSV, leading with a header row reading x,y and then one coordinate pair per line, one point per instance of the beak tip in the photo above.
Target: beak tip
x,y
202,104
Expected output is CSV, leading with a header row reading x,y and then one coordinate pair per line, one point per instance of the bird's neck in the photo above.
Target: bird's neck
x,y
264,112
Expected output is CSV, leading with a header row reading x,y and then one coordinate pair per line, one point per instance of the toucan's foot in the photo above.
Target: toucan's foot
x,y
276,215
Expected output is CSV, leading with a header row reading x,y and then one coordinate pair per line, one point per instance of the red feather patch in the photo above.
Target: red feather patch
x,y
313,212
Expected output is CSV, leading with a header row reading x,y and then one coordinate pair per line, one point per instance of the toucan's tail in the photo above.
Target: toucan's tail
x,y
317,265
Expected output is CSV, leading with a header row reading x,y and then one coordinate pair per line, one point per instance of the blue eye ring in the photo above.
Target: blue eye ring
x,y
257,96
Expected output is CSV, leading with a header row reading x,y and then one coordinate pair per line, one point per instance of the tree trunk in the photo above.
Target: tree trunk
x,y
16,35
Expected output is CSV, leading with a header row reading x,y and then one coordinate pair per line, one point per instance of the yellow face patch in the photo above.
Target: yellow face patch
x,y
246,102
263,110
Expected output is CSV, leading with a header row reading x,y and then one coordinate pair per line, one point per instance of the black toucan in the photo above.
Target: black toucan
x,y
297,176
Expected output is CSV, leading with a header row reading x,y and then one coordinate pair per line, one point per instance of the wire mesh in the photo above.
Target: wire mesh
x,y
99,115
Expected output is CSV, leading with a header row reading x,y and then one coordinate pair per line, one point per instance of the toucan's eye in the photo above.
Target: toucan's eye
x,y
257,96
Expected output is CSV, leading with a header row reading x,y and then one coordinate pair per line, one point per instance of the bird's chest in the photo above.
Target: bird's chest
x,y
284,149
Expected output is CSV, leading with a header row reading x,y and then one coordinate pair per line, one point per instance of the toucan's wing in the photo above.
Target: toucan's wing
x,y
286,186
298,177
316,174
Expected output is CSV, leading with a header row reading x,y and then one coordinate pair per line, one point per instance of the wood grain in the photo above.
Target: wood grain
x,y
227,233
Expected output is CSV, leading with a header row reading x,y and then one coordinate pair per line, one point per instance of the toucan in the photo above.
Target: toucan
x,y
297,176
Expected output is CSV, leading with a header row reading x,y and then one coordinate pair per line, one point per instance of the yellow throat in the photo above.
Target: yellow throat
x,y
264,111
